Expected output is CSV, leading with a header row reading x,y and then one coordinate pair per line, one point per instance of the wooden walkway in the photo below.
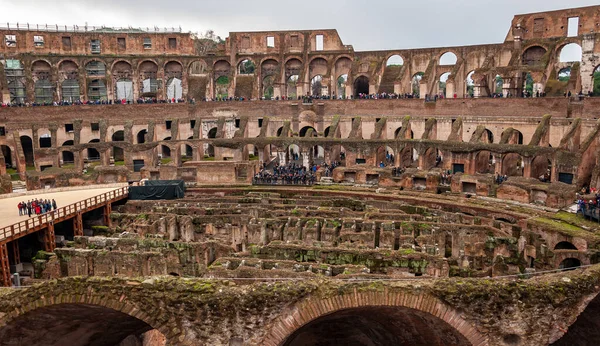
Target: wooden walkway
x,y
46,222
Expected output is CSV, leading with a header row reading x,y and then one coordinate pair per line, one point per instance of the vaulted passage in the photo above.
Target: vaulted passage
x,y
586,329
73,325
377,326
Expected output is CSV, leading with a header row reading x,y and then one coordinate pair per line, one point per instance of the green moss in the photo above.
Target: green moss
x,y
563,227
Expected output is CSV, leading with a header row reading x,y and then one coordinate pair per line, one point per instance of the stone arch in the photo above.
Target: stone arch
x,y
483,162
95,68
174,77
361,85
97,90
308,131
316,85
197,67
384,154
565,245
341,84
415,84
7,152
533,55
541,165
246,66
570,52
448,58
511,136
311,309
394,60
27,144
92,153
141,136
470,84
512,165
67,157
318,66
66,304
42,78
148,72
212,133
569,262
442,83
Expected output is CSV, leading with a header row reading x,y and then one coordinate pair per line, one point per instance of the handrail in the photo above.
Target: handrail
x,y
85,28
63,212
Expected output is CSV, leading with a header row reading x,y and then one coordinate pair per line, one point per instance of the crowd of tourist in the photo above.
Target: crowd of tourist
x,y
305,99
36,207
285,175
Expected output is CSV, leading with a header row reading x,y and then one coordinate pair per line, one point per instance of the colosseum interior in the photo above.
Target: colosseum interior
x,y
433,207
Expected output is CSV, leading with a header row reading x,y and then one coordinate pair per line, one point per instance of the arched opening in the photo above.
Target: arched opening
x,y
43,91
565,245
209,151
326,132
585,331
376,326
342,82
45,140
279,131
124,89
498,85
212,133
361,86
596,77
512,165
117,152
97,91
416,84
385,156
222,87
316,85
70,90
564,74
527,84
487,137
470,85
308,131
68,143
92,153
571,53
148,72
69,75
448,58
174,89
293,154
95,68
568,263
77,325
165,151
442,83
268,87
197,68
246,66
292,87
397,133
7,153
27,145
141,136
188,153
533,55
484,162
395,60
541,168
67,158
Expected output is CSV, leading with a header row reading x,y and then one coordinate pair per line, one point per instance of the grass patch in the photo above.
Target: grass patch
x,y
575,219
119,163
564,228
165,161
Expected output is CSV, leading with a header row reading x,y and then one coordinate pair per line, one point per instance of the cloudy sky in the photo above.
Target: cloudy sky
x,y
367,25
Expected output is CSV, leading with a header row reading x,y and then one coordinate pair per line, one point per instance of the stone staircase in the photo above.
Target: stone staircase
x,y
19,186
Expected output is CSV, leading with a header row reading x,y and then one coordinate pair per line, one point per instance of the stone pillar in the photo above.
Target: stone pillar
x,y
527,167
105,157
78,158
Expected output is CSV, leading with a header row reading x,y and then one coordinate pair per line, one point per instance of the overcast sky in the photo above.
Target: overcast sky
x,y
367,25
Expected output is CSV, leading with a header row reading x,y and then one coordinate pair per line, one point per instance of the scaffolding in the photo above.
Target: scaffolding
x,y
86,28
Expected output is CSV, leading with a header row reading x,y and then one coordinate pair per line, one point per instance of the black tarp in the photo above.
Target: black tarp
x,y
157,189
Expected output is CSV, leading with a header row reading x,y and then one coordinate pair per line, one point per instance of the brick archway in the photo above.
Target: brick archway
x,y
117,304
300,314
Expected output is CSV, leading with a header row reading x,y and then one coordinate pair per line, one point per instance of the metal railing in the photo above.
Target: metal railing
x,y
61,213
85,28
